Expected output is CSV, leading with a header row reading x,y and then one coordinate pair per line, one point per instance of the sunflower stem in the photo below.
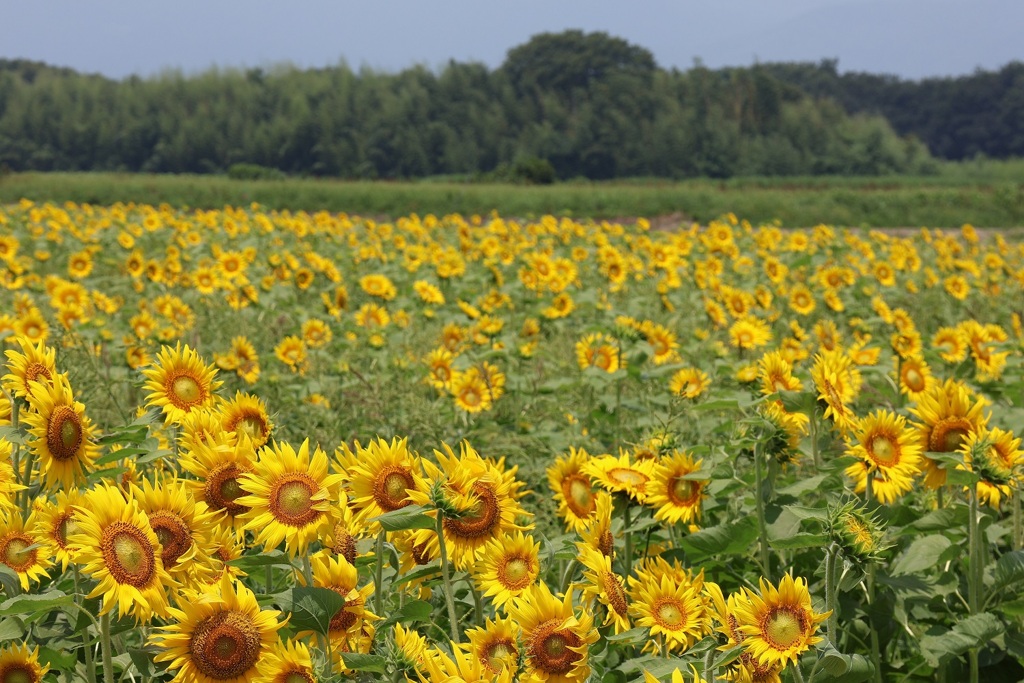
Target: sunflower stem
x,y
449,594
974,576
90,666
108,657
709,666
478,605
378,589
762,527
797,674
830,592
629,538
567,575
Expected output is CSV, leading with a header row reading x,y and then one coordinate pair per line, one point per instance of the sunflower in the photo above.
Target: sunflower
x,y
56,523
689,382
287,662
675,491
779,624
496,645
220,637
33,365
218,468
671,609
995,455
246,415
181,526
380,478
289,496
225,545
19,548
410,650
949,413
379,286
776,374
341,536
462,666
598,351
439,361
888,451
470,391
485,492
180,383
292,352
601,584
9,485
18,664
573,490
556,641
508,565
837,382
63,434
915,377
428,293
745,669
32,325
749,332
951,343
663,341
118,548
598,532
337,574
619,475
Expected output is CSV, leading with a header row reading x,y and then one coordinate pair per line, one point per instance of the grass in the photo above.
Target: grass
x,y
988,194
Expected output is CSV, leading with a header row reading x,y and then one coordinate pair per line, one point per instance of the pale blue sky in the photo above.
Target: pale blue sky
x,y
910,38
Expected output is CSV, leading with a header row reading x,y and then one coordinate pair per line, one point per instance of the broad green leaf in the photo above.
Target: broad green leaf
x,y
43,603
922,554
361,662
732,538
312,607
11,629
837,667
633,635
974,631
409,517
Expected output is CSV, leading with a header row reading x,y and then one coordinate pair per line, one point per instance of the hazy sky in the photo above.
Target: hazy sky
x,y
910,38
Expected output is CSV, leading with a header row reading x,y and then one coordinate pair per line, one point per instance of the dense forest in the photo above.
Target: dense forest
x,y
562,105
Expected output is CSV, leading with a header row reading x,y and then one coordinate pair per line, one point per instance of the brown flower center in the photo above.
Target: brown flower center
x,y
783,627
128,554
173,533
627,477
683,492
482,519
550,648
344,618
15,553
222,489
949,434
225,645
184,391
64,433
36,370
18,673
499,652
291,499
884,451
391,486
579,497
669,613
515,573
616,596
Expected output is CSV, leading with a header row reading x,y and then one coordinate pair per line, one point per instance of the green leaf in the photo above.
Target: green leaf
x,y
633,635
972,632
922,554
43,603
940,520
361,662
416,610
11,629
732,538
803,485
838,667
9,580
267,558
798,401
409,517
312,607
800,540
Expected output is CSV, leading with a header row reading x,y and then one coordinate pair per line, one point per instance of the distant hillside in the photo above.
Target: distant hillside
x,y
562,105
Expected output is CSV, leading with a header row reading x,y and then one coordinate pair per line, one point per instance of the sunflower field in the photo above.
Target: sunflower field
x,y
284,447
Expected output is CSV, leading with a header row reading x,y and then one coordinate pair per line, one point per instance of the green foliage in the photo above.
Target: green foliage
x,y
254,172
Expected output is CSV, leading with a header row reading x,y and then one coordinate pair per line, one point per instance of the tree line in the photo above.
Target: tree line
x,y
564,105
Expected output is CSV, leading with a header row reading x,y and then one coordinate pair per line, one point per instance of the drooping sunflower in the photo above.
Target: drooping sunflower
x,y
181,526
994,455
118,548
461,665
289,496
485,492
18,664
340,537
889,451
287,662
555,639
779,624
495,644
508,565
573,490
56,521
218,468
62,433
949,413
19,549
837,382
619,475
380,478
598,532
180,382
220,637
34,364
675,491
601,584
246,415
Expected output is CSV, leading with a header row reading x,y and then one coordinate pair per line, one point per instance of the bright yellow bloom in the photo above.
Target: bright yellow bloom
x,y
779,624
180,383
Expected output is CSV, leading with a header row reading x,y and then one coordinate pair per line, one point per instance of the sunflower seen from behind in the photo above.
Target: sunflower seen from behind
x,y
289,495
219,637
